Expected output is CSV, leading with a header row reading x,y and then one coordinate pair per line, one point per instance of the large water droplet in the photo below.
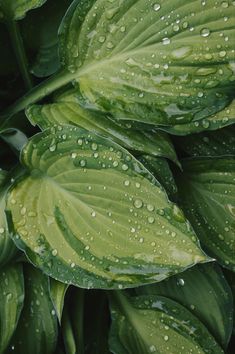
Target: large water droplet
x,y
156,7
205,32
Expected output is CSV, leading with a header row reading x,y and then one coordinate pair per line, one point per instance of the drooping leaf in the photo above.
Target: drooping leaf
x,y
156,324
204,291
11,301
7,247
207,191
215,143
39,31
16,9
154,142
37,328
73,322
96,322
88,213
160,168
230,276
57,293
129,57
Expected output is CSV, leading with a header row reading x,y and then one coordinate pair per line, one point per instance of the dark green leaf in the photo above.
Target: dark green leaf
x,y
207,190
7,247
153,142
11,301
88,213
161,170
16,9
156,324
37,329
204,291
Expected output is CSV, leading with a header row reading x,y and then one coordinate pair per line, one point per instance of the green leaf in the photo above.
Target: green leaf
x,y
96,322
161,170
16,9
230,276
204,291
7,247
37,328
155,324
40,34
207,191
73,322
215,143
88,213
57,293
11,301
153,142
131,59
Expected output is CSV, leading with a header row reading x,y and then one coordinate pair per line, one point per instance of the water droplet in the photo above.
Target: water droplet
x,y
180,282
151,219
125,167
102,39
82,163
178,214
2,230
115,164
205,32
150,207
152,349
141,240
166,338
126,183
166,41
74,155
224,4
110,45
123,29
93,214
138,203
80,142
156,7
72,265
54,252
222,54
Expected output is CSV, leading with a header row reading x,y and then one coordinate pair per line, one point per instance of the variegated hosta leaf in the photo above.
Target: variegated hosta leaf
x,y
156,324
160,168
166,63
57,293
7,247
37,328
204,291
11,301
207,190
153,142
16,9
214,143
88,213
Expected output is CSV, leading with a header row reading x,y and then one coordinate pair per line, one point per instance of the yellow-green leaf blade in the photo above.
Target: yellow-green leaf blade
x,y
88,213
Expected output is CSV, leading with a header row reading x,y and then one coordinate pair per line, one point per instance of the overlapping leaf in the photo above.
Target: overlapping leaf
x,y
156,324
11,302
88,213
204,291
207,191
57,293
152,142
7,247
16,9
129,57
37,328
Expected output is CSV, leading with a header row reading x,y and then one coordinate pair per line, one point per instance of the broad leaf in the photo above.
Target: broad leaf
x,y
37,329
11,302
153,142
204,291
161,170
215,143
156,324
16,9
7,247
134,59
57,293
88,213
207,191
230,276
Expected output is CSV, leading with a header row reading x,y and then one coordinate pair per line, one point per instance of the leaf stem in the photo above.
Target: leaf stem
x,y
37,93
18,46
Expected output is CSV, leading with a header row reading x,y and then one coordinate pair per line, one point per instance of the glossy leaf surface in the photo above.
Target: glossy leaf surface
x,y
11,301
207,192
204,291
156,324
88,213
